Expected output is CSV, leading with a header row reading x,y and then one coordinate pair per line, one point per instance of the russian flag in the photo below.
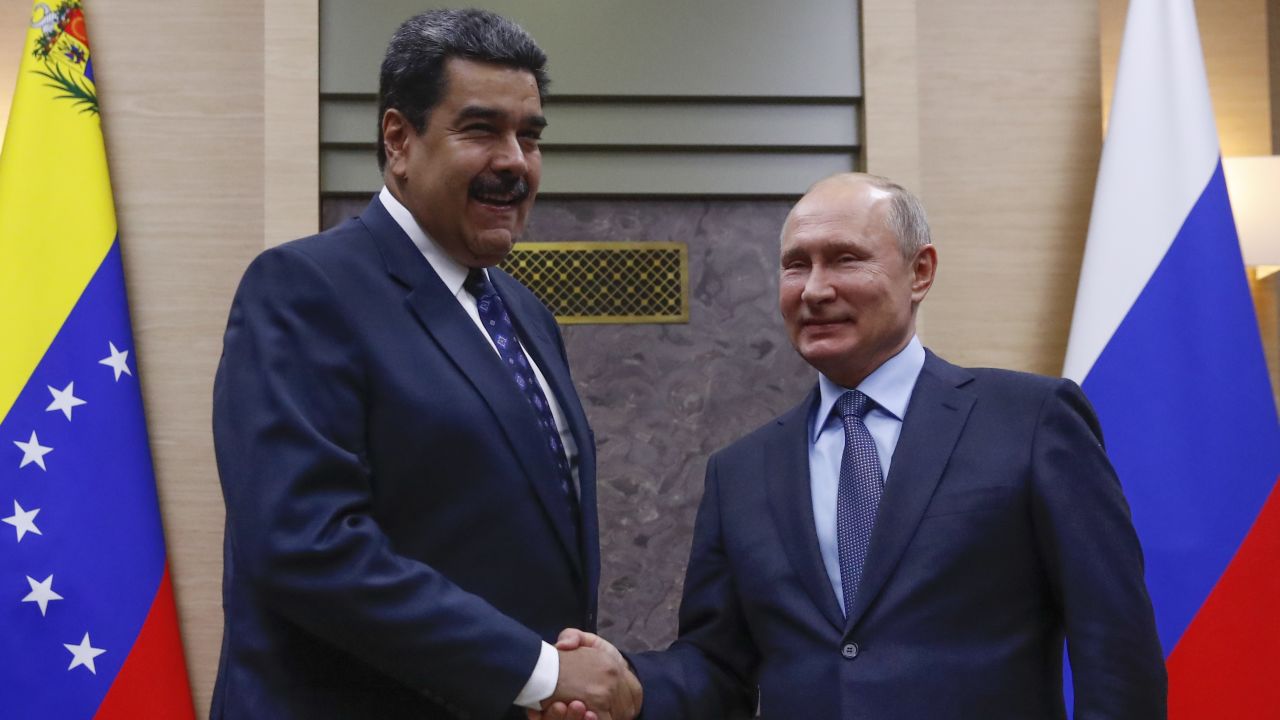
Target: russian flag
x,y
1166,345
88,626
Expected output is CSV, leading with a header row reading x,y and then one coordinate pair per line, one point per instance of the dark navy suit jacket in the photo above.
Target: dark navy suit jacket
x,y
1001,530
397,542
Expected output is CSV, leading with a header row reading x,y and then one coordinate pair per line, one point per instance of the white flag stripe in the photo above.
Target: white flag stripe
x,y
1161,149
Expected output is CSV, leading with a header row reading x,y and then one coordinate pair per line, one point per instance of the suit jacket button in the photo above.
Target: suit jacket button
x,y
849,651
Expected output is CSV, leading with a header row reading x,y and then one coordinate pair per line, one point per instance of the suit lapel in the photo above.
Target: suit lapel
x,y
454,332
786,471
935,417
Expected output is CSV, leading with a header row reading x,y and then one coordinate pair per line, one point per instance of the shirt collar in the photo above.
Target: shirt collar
x,y
451,272
889,385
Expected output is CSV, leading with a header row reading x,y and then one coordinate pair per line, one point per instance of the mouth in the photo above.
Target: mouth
x,y
819,324
499,191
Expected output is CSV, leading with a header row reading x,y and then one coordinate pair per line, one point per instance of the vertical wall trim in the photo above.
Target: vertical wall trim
x,y
891,99
291,94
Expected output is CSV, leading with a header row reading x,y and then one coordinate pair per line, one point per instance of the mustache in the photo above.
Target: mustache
x,y
495,184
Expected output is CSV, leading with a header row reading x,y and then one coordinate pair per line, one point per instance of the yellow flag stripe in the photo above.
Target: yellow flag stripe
x,y
57,218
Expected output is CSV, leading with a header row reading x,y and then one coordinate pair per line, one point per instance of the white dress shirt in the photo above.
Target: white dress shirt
x,y
890,387
542,683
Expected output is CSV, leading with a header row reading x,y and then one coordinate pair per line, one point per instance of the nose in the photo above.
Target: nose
x,y
510,156
817,287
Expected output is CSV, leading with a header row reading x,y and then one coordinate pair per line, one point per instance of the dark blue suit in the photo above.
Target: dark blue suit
x,y
397,540
1002,529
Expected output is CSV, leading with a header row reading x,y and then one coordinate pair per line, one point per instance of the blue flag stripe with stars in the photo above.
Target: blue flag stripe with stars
x,y
101,538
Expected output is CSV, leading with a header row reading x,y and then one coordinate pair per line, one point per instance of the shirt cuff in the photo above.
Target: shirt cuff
x,y
542,683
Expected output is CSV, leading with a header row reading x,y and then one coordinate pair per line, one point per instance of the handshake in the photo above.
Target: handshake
x,y
595,682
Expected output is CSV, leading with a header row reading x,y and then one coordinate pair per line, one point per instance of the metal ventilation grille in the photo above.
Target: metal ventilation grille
x,y
606,282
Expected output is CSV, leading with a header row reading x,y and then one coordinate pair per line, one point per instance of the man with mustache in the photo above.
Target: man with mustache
x,y
408,473
914,539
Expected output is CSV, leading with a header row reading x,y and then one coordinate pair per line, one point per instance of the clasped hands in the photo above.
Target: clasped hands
x,y
595,682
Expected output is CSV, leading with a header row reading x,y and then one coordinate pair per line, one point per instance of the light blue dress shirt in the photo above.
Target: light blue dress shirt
x,y
890,387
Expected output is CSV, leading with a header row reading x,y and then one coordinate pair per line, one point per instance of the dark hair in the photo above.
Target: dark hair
x,y
412,79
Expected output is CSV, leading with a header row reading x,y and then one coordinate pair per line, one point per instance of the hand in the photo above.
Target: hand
x,y
573,638
576,710
595,682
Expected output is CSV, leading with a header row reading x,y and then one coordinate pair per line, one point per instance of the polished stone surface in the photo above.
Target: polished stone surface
x,y
662,398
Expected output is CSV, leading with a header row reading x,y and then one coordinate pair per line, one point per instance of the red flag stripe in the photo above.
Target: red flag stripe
x,y
1224,666
153,682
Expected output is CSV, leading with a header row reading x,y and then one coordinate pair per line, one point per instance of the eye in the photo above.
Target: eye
x,y
478,128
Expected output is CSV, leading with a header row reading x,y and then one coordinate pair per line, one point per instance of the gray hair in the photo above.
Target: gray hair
x,y
412,79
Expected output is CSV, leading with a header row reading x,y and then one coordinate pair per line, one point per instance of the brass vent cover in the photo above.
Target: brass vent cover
x,y
606,282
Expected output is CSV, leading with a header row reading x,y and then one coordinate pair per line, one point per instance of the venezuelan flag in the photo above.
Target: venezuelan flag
x,y
86,606
1166,345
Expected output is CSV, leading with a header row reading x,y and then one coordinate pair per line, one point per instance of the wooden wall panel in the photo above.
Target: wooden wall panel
x,y
182,103
15,16
291,99
1010,146
891,82
1233,34
1005,103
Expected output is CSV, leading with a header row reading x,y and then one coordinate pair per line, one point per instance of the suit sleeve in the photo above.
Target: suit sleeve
x,y
1095,565
288,417
710,670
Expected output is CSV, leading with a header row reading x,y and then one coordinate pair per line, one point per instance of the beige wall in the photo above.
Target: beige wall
x,y
14,18
183,115
992,109
1233,34
187,130
993,119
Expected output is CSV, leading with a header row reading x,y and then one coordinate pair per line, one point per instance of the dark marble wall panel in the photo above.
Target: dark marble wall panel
x,y
661,398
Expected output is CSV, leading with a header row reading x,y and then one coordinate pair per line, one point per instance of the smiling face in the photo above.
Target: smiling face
x,y
469,178
847,295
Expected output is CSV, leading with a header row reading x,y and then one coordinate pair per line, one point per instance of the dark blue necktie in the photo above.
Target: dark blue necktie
x,y
496,321
858,495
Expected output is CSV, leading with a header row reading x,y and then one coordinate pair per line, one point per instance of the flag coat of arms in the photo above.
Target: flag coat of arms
x,y
1166,345
86,604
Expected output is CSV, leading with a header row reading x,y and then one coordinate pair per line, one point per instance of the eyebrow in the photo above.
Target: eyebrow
x,y
480,112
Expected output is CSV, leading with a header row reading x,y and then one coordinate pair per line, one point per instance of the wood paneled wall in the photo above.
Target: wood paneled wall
x,y
1234,37
15,16
181,88
1000,101
995,108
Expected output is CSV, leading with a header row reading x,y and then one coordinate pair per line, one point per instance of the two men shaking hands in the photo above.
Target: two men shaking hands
x,y
409,475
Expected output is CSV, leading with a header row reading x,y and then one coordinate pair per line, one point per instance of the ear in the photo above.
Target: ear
x,y
396,133
923,268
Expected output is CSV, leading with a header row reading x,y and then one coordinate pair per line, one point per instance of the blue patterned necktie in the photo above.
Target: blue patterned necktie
x,y
858,495
496,321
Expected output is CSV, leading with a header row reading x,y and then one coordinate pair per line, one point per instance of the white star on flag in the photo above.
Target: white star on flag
x,y
33,451
64,400
117,361
23,520
41,593
83,654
